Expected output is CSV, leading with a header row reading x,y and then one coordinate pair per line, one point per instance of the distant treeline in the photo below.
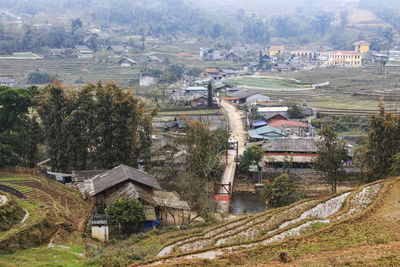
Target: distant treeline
x,y
174,19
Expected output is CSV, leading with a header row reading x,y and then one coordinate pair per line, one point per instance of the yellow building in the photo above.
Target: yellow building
x,y
361,47
345,58
275,50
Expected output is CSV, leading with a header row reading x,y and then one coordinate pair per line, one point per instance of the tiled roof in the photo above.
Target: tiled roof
x,y
361,43
277,47
279,123
346,52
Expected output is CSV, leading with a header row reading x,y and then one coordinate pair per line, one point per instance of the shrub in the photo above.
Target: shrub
x,y
126,212
39,77
281,192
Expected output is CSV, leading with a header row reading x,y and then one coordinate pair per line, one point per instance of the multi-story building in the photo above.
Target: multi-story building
x,y
276,50
345,58
361,47
209,54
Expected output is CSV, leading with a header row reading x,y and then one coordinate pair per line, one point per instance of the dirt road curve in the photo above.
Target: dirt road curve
x,y
238,133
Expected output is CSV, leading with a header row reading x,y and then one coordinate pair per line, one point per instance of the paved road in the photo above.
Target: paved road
x,y
238,133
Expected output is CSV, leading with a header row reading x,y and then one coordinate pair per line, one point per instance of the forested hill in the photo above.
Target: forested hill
x,y
388,10
155,17
224,23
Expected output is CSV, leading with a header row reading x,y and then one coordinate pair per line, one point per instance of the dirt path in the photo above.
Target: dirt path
x,y
235,124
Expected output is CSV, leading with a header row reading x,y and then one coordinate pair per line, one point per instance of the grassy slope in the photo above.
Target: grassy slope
x,y
43,256
49,210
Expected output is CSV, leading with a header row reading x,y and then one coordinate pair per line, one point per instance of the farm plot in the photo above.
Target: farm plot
x,y
51,194
265,83
271,227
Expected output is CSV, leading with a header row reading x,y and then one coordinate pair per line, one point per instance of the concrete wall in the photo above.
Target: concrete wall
x,y
100,233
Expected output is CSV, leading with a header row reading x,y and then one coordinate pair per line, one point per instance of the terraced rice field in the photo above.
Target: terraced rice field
x,y
269,227
52,194
68,70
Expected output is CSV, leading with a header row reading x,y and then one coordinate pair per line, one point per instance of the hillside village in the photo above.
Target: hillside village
x,y
183,133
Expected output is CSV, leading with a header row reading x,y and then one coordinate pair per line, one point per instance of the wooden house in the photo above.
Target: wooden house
x,y
270,117
127,62
299,151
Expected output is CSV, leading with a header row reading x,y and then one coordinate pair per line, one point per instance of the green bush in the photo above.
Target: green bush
x,y
126,212
39,77
281,192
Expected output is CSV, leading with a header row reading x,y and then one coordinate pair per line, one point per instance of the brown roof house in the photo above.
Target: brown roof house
x,y
127,182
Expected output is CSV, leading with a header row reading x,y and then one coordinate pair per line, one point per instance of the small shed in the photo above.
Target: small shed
x,y
100,227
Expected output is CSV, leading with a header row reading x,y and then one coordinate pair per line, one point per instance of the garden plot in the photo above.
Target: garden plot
x,y
320,211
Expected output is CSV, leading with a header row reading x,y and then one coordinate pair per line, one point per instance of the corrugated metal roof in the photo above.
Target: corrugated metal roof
x,y
299,145
266,132
243,94
272,109
80,176
280,123
119,174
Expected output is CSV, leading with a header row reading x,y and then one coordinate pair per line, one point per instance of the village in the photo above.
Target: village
x,y
199,133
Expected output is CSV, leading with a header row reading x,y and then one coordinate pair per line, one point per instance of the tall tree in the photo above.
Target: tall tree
x,y
209,95
76,24
14,124
382,144
204,148
119,115
52,108
80,121
34,135
331,155
98,126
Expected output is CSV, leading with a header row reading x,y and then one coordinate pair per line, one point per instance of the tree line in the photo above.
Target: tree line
x,y
98,126
173,19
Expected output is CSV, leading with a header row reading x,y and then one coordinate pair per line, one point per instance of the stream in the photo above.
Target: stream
x,y
247,203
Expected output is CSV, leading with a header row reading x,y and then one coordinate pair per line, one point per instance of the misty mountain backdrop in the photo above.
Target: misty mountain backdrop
x,y
337,23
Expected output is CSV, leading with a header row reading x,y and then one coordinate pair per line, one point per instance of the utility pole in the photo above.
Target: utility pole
x,y
237,153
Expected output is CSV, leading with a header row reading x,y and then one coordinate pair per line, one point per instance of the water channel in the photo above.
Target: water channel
x,y
247,203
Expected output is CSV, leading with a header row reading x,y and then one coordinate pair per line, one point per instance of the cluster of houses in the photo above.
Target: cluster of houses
x,y
284,140
270,127
285,60
279,59
195,94
236,53
7,81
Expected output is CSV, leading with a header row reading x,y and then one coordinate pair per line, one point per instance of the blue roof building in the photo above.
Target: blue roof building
x,y
266,132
